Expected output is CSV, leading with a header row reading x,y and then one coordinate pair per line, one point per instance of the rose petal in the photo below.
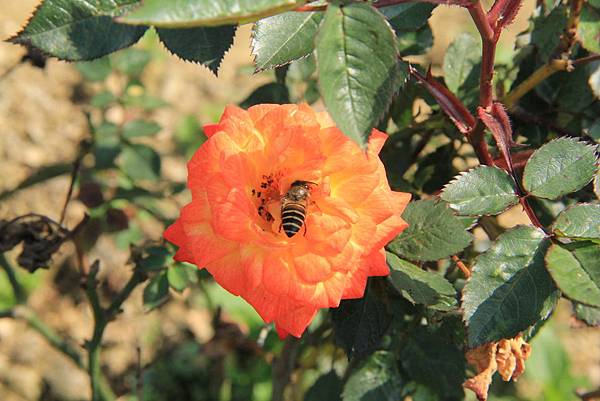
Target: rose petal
x,y
295,322
376,141
175,234
232,226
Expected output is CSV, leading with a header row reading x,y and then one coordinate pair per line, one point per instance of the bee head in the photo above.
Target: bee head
x,y
300,189
304,184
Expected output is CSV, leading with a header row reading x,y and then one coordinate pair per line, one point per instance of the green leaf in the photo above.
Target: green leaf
x,y
143,101
483,190
131,62
588,254
107,144
575,93
546,313
420,286
408,16
272,92
581,221
409,21
283,38
434,361
327,388
468,221
135,128
420,392
154,258
124,239
561,166
462,60
79,30
574,279
435,169
189,135
193,13
204,45
106,133
156,292
588,29
508,287
181,275
140,162
376,379
415,42
547,31
433,232
356,78
587,314
95,71
359,324
103,99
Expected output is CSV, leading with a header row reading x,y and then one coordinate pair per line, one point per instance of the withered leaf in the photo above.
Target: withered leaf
x,y
506,357
40,236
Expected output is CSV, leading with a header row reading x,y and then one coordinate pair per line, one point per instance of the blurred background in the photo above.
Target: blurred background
x,y
193,341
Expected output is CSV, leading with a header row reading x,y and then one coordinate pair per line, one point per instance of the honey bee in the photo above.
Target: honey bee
x,y
293,207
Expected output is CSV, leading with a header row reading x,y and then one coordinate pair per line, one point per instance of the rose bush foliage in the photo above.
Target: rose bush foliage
x,y
520,134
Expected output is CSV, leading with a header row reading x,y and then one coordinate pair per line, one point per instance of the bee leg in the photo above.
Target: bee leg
x,y
305,229
280,225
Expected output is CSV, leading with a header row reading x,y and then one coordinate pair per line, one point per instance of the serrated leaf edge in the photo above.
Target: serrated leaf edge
x,y
389,279
462,174
583,321
473,224
436,201
556,283
232,19
559,233
215,72
16,40
593,147
473,267
254,54
386,107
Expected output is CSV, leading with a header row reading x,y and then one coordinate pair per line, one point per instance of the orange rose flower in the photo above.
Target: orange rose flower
x,y
232,226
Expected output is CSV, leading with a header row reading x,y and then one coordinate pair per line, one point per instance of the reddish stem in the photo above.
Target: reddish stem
x,y
585,60
450,104
489,39
529,211
477,141
476,136
463,268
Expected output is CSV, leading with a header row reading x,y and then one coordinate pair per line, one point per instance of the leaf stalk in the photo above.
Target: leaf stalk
x,y
489,37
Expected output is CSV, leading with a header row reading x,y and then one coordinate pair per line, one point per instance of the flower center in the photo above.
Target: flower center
x,y
266,194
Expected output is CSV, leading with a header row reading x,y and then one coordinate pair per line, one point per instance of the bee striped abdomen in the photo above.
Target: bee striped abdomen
x,y
292,218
